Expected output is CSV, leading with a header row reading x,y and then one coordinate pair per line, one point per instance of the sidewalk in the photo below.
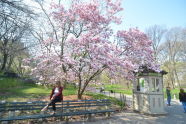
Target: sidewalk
x,y
175,115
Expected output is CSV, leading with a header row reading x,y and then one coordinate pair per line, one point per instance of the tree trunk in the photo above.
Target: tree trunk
x,y
177,78
128,85
176,75
81,91
11,59
79,87
65,84
80,96
172,79
5,57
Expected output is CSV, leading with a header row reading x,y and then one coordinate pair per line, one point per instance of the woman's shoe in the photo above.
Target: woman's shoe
x,y
44,109
53,113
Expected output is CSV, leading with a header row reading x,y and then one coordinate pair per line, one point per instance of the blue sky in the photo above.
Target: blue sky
x,y
145,13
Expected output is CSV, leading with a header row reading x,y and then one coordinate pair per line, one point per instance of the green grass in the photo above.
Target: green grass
x,y
69,90
102,96
14,89
125,91
121,89
112,87
118,89
9,82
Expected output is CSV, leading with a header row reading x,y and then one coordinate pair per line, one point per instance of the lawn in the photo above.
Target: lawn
x,y
118,89
14,89
9,82
101,96
121,89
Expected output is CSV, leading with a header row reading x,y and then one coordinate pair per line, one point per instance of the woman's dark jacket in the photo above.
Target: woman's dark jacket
x,y
59,95
182,97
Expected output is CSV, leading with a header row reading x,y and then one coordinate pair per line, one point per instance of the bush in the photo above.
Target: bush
x,y
11,74
9,82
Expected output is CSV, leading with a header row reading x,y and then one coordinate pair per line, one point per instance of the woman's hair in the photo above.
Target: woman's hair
x,y
181,90
58,83
168,87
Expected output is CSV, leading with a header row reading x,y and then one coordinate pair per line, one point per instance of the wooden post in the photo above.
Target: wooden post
x,y
66,117
123,100
11,114
89,117
106,108
62,111
123,97
120,100
120,96
108,114
85,108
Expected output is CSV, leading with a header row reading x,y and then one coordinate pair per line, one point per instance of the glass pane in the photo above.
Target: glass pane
x,y
153,85
142,84
138,86
157,85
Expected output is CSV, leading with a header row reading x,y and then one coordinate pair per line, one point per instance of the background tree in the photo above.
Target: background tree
x,y
172,52
15,23
156,34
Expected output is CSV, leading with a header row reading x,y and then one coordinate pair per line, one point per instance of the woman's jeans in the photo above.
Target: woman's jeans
x,y
53,102
169,100
184,106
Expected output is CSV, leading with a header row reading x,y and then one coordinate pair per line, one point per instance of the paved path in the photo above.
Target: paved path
x,y
175,116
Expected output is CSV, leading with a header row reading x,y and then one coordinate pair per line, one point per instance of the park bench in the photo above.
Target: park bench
x,y
11,111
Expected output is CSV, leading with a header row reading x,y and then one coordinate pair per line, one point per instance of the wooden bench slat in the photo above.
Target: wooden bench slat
x,y
19,105
36,116
36,106
65,107
47,102
69,108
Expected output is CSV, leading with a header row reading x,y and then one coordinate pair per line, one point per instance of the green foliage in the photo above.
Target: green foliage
x,y
104,78
173,92
10,82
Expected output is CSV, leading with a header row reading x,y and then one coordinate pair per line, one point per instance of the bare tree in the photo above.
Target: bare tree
x,y
15,24
156,33
172,55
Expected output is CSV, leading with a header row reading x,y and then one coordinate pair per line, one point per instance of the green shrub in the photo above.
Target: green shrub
x,y
10,82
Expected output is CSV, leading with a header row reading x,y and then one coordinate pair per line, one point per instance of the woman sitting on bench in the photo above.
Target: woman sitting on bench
x,y
55,96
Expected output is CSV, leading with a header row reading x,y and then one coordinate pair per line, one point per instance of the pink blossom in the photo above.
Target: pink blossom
x,y
86,47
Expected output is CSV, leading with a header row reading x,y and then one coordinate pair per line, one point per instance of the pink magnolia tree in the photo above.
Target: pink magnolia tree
x,y
81,48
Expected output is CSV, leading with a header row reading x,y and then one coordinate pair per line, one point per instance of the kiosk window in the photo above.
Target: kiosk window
x,y
138,85
155,85
142,85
